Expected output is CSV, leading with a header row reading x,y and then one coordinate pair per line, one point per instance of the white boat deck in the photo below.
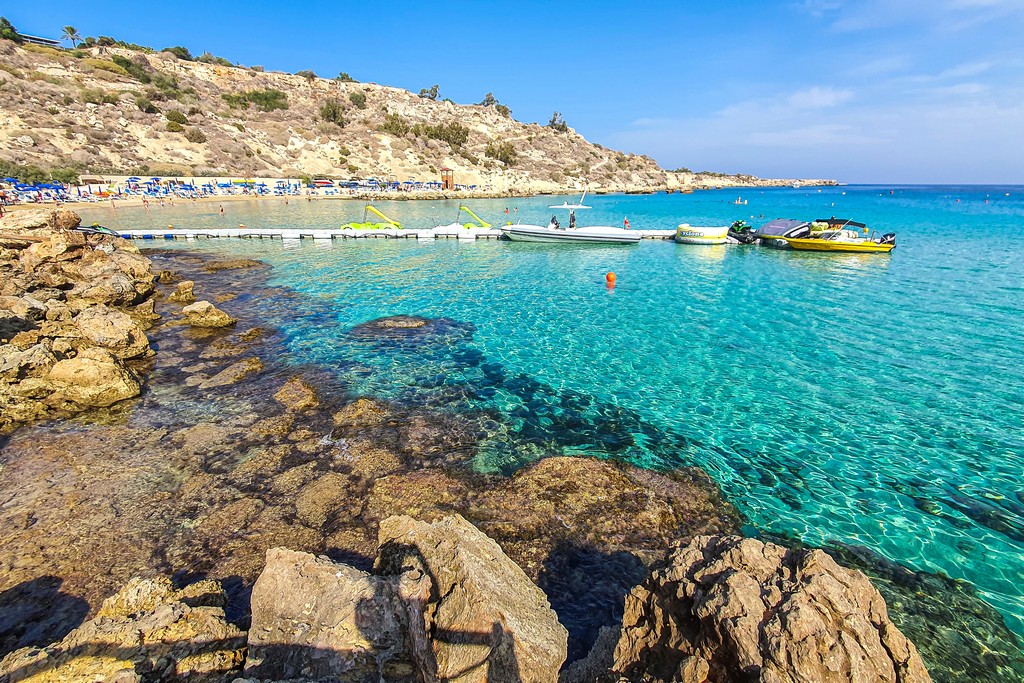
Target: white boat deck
x,y
468,234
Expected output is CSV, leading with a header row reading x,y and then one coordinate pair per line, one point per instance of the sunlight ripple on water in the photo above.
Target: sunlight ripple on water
x,y
862,399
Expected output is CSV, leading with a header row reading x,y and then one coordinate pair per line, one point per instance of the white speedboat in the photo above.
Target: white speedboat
x,y
597,234
701,234
554,232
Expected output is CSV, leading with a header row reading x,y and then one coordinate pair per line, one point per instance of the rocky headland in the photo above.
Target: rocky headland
x,y
110,111
241,515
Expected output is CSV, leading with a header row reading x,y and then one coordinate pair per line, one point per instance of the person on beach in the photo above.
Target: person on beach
x,y
221,209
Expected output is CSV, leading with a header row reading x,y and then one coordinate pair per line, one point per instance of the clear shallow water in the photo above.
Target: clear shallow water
x,y
863,399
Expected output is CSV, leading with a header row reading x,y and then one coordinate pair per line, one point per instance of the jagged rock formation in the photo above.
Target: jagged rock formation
x,y
73,314
105,117
147,631
445,603
729,609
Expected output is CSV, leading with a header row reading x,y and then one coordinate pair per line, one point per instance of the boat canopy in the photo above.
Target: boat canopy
x,y
836,223
784,227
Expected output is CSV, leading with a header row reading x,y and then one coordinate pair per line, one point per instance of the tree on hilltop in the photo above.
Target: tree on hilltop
x,y
558,123
432,93
489,100
70,34
8,32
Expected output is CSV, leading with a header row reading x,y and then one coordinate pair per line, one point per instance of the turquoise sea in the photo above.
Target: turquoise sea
x,y
868,400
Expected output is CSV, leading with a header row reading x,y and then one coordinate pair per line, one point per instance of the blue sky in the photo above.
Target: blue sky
x,y
866,91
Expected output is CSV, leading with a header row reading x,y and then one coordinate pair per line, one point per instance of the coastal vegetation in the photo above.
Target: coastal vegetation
x,y
92,108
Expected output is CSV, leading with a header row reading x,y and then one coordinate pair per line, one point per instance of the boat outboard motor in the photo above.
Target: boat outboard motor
x,y
888,238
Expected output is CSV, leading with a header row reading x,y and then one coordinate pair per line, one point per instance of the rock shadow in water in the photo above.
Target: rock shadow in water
x,y
37,612
587,588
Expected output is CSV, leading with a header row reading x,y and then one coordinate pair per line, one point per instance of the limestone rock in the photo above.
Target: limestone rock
x,y
34,361
37,222
297,395
205,314
65,219
114,330
183,292
314,619
234,373
95,377
728,608
148,628
473,615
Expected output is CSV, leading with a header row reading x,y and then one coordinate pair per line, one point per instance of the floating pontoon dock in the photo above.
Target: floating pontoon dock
x,y
172,233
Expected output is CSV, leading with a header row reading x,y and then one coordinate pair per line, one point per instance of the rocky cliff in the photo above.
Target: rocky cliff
x,y
110,111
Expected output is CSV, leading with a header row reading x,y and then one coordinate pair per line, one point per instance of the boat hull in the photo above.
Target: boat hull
x,y
836,246
696,234
588,235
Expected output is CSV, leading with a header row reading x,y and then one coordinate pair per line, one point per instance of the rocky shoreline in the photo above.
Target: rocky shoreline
x,y
228,452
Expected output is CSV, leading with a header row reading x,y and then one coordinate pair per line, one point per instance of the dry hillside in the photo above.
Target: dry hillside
x,y
110,110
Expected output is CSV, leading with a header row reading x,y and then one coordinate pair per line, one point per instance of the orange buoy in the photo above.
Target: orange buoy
x,y
610,279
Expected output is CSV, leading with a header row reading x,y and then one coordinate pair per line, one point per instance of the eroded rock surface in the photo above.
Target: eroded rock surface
x,y
205,314
315,619
473,615
64,298
147,631
728,608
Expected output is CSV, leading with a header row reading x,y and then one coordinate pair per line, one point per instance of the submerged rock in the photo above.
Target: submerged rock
x,y
183,292
205,314
727,608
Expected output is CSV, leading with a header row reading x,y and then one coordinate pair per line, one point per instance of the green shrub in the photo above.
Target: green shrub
x,y
104,65
503,110
264,100
179,52
455,134
257,68
136,71
395,125
240,127
558,123
332,112
79,54
145,105
8,32
174,127
502,151
431,93
195,135
208,58
175,116
358,99
97,96
308,74
345,78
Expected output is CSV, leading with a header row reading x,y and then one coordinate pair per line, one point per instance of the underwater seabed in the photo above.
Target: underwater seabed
x,y
193,491
867,400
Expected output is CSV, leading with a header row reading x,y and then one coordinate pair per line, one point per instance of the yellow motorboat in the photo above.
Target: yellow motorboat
x,y
839,235
860,246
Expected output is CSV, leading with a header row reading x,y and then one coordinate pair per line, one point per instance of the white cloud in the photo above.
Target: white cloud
x,y
819,98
